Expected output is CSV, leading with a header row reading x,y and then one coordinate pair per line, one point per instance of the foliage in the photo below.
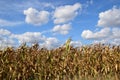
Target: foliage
x,y
93,62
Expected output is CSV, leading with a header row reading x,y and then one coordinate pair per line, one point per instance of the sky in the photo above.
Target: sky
x,y
51,22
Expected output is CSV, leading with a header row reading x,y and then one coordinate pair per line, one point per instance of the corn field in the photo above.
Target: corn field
x,y
92,62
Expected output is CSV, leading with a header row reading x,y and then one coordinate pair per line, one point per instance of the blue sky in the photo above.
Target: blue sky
x,y
52,22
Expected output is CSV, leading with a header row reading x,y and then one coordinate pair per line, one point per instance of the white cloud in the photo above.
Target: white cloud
x,y
62,29
116,41
110,18
103,41
106,36
110,21
115,33
29,37
50,43
76,43
4,32
36,17
8,42
5,39
8,23
87,34
33,37
66,13
9,39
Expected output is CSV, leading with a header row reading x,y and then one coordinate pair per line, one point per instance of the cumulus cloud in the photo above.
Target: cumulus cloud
x,y
103,41
5,39
62,29
36,37
76,43
6,42
110,18
116,32
66,13
4,32
9,39
36,17
106,35
50,43
8,23
87,34
29,37
116,41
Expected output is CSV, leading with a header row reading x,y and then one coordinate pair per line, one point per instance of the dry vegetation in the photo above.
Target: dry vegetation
x,y
93,62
